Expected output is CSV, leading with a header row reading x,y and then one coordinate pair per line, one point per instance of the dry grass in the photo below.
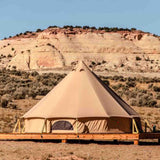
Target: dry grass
x,y
150,114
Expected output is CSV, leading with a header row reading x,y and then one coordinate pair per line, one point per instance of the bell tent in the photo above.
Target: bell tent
x,y
81,103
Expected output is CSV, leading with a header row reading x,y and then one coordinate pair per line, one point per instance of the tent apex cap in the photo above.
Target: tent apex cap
x,y
81,66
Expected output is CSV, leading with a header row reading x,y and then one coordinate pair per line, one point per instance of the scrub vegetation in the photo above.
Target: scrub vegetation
x,y
15,85
19,91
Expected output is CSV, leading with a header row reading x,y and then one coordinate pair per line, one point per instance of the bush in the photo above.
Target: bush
x,y
5,100
52,27
156,89
9,88
106,82
133,102
93,63
12,105
150,86
158,96
38,30
141,102
78,26
133,29
131,84
152,103
20,93
32,94
86,27
42,91
9,56
93,27
116,87
138,58
34,73
132,94
68,26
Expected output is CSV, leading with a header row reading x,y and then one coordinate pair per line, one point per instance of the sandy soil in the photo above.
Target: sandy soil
x,y
93,151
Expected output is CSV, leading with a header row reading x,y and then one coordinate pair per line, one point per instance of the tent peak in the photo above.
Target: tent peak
x,y
81,66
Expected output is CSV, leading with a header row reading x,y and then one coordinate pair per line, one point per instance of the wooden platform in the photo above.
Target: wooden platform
x,y
64,137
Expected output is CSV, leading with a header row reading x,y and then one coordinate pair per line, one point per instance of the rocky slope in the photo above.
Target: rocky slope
x,y
122,51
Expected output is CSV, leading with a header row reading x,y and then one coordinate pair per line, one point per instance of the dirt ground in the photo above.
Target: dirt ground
x,y
10,150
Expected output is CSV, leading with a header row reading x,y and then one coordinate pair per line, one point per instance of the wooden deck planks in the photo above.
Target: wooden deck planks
x,y
70,136
16,136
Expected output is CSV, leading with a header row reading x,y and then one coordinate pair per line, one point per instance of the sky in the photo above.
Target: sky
x,y
18,16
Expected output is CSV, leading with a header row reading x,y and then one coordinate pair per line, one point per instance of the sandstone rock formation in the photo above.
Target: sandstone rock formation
x,y
58,48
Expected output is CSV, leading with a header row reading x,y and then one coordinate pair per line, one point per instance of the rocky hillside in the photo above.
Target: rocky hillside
x,y
59,48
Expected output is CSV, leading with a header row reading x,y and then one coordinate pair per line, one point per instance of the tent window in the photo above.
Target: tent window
x,y
62,125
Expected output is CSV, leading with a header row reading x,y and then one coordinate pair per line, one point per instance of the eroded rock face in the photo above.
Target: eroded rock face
x,y
58,48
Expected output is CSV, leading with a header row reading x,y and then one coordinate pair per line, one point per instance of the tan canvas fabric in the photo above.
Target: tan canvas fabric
x,y
34,125
81,94
84,125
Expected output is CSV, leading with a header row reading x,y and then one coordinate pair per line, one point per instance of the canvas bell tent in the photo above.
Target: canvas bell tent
x,y
81,103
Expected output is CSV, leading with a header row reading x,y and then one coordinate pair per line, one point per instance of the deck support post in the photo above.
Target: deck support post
x,y
136,142
64,141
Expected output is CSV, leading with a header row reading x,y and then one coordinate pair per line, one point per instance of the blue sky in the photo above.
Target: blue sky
x,y
28,15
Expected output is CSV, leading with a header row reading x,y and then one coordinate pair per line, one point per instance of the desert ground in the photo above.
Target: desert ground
x,y
10,150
